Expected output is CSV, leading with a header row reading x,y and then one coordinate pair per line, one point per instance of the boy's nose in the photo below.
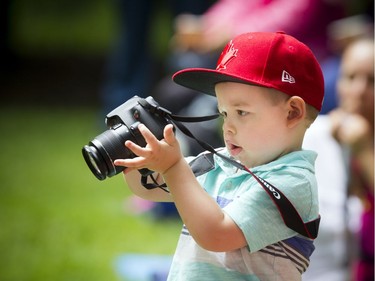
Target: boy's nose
x,y
229,128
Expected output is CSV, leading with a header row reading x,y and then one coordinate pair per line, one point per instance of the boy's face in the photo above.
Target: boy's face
x,y
254,123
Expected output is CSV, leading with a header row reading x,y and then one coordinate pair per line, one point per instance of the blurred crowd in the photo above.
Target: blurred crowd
x,y
344,140
340,33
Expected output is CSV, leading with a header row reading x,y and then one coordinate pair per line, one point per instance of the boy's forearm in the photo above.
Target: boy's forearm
x,y
201,214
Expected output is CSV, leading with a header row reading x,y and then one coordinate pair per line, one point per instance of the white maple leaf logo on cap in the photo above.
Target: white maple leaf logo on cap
x,y
228,54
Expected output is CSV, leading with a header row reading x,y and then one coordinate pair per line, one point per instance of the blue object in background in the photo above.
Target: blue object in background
x,y
143,267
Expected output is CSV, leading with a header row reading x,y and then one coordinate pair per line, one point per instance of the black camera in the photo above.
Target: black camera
x,y
123,123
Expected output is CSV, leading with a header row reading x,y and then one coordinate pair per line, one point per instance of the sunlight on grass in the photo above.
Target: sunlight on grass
x,y
58,222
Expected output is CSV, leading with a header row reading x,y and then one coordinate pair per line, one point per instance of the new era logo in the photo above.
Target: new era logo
x,y
286,77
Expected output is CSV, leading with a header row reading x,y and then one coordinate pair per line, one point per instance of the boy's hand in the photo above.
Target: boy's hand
x,y
158,155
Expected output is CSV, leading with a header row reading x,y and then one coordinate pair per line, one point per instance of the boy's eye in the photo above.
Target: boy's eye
x,y
241,112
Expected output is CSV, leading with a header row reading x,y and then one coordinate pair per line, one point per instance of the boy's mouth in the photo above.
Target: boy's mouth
x,y
233,149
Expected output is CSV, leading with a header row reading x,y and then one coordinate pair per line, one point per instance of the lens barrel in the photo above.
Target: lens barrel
x,y
105,148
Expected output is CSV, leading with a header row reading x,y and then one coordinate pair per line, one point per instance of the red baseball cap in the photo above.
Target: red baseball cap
x,y
267,59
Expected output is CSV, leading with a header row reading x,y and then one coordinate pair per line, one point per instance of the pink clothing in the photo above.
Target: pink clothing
x,y
364,266
304,19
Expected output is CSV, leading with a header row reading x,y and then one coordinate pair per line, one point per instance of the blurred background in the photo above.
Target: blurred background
x,y
57,221
60,67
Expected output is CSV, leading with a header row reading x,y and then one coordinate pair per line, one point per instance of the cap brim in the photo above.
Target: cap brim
x,y
204,80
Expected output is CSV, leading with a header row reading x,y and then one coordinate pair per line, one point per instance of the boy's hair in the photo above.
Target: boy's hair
x,y
272,60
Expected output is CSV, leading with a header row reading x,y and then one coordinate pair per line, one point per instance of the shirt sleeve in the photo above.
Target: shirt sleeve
x,y
258,216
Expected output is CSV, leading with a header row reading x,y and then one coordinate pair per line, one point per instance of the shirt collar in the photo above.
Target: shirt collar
x,y
301,158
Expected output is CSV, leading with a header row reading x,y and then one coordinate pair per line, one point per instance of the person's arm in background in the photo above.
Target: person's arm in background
x,y
354,132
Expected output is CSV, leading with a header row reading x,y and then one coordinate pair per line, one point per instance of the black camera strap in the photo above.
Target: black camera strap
x,y
288,212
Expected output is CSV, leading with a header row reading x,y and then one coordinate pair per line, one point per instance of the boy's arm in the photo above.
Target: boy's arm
x,y
210,227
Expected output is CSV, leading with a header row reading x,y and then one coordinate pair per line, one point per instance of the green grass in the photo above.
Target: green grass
x,y
57,221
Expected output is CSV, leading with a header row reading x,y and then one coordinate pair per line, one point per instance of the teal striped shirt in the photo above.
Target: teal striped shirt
x,y
274,251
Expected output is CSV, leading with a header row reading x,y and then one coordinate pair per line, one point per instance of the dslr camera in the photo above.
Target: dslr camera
x,y
123,122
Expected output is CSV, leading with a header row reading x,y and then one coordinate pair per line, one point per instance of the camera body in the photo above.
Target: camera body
x,y
123,123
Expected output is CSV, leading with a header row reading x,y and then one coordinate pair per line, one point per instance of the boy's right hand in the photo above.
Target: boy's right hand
x,y
157,155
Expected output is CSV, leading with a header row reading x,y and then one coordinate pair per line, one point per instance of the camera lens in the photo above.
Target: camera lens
x,y
95,162
104,149
91,157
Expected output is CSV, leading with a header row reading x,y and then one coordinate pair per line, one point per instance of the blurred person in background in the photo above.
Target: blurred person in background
x,y
344,140
353,128
132,66
340,33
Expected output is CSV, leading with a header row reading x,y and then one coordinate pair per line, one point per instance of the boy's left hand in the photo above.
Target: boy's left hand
x,y
157,155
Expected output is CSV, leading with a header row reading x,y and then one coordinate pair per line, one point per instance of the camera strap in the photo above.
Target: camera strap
x,y
204,163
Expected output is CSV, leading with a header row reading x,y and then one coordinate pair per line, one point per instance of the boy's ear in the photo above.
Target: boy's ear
x,y
296,110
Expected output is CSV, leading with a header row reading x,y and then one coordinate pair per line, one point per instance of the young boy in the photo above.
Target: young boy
x,y
269,89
